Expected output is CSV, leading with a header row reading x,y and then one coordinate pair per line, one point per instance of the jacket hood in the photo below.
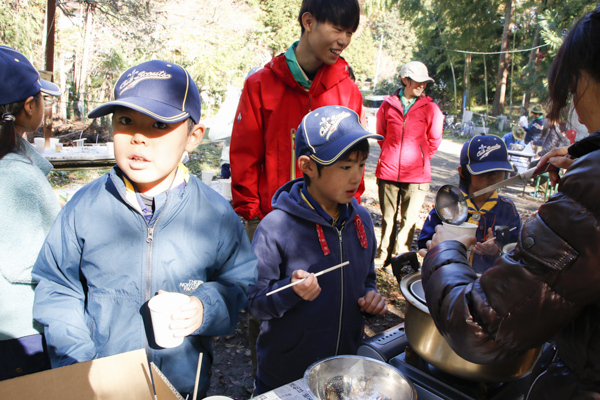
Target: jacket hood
x,y
288,198
322,82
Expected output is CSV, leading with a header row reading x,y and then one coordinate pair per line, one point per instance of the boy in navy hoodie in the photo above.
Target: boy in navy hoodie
x,y
316,224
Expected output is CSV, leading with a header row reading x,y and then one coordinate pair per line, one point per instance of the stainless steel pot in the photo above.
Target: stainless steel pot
x,y
424,338
356,377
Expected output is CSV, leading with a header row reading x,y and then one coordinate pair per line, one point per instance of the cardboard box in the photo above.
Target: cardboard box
x,y
123,376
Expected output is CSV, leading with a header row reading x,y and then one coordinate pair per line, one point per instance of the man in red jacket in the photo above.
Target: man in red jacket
x,y
412,125
309,75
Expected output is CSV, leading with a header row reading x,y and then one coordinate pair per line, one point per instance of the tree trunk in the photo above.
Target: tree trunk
x,y
532,58
87,49
500,95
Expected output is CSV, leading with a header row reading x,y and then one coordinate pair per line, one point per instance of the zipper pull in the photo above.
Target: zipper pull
x,y
150,236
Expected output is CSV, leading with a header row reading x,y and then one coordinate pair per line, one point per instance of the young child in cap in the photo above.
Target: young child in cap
x,y
483,162
147,226
316,223
515,140
29,207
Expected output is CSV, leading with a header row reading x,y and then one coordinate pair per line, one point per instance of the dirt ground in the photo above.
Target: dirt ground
x,y
232,367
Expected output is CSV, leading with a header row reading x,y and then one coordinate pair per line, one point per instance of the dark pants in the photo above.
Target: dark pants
x,y
253,322
225,171
23,356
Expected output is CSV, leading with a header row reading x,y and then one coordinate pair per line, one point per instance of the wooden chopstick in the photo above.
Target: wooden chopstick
x,y
197,375
302,280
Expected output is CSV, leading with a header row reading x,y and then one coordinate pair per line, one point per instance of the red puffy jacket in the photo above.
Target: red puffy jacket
x,y
271,107
410,142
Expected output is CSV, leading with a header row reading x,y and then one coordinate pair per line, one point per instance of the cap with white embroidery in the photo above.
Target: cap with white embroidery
x,y
158,89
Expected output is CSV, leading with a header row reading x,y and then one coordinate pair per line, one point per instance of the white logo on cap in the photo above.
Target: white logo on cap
x,y
485,151
136,77
330,125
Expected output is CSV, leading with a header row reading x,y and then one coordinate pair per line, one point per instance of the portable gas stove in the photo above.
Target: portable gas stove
x,y
431,383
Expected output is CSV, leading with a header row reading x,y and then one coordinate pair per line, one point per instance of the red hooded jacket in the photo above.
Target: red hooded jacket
x,y
410,141
271,107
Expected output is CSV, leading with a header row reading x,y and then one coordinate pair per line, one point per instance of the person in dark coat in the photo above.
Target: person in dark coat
x,y
548,287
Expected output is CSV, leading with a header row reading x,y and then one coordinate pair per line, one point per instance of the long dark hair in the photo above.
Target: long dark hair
x,y
579,51
8,133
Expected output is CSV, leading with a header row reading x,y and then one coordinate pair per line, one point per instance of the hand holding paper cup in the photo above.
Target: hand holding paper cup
x,y
464,233
162,307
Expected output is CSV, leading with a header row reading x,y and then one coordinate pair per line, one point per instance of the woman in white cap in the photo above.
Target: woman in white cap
x,y
412,125
29,207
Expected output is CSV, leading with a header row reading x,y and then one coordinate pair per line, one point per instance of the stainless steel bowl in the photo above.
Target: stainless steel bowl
x,y
424,338
357,378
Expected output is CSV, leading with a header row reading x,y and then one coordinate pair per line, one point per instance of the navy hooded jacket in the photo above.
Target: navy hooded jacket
x,y
295,333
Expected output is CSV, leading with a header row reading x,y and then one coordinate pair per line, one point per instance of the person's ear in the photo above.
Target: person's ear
x,y
308,21
406,81
460,170
307,166
195,137
29,106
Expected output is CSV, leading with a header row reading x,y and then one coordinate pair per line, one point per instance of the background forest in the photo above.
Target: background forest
x,y
486,55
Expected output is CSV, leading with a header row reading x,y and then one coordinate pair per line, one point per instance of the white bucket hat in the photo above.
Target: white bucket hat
x,y
415,70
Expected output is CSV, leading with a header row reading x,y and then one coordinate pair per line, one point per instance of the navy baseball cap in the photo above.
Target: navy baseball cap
x,y
159,89
326,133
19,79
485,153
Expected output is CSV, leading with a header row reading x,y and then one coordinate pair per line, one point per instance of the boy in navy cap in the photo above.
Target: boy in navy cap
x,y
316,224
147,226
483,162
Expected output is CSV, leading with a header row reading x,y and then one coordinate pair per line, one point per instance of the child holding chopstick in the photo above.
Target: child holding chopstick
x,y
316,224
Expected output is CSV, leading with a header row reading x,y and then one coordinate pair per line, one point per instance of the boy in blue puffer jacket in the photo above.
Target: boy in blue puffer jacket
x,y
316,224
147,226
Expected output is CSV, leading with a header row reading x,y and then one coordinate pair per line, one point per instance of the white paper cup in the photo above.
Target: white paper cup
x,y
466,228
509,247
39,144
53,143
162,307
226,187
207,177
110,149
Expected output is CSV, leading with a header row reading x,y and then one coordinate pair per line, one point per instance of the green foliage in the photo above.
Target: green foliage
x,y
205,158
18,20
398,39
361,54
280,21
65,179
552,24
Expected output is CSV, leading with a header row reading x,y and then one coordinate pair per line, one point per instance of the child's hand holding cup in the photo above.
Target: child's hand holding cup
x,y
174,316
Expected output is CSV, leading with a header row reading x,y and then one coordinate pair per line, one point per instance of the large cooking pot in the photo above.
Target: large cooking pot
x,y
356,377
431,346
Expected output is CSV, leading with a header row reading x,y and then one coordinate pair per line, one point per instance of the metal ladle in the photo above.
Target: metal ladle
x,y
451,204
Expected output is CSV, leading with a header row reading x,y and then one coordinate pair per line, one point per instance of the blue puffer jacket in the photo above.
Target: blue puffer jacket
x,y
102,262
294,333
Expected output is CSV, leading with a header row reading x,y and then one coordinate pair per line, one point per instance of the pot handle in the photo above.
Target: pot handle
x,y
404,264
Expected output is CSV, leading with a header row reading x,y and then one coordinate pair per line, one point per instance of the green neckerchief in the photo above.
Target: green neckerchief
x,y
406,105
295,69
